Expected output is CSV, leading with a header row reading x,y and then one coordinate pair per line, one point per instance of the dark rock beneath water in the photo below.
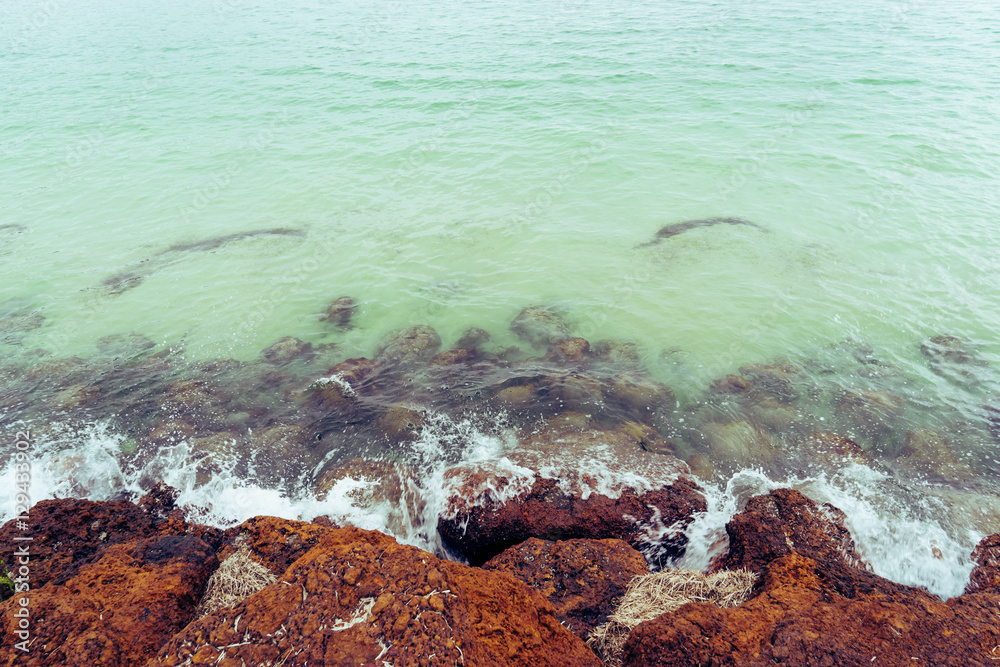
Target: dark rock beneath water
x,y
871,413
583,579
407,346
401,422
928,452
345,382
831,449
777,379
472,339
569,351
453,357
540,326
736,385
618,352
640,397
340,312
287,350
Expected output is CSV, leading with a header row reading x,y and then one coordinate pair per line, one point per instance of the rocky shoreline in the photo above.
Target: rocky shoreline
x,y
118,583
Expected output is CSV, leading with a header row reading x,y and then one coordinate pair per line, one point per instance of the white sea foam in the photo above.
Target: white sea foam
x,y
908,535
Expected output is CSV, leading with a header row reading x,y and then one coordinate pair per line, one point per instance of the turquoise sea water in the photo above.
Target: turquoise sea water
x,y
450,163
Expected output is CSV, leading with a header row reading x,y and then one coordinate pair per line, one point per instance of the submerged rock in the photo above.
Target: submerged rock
x,y
540,326
929,452
618,352
737,441
407,346
287,350
871,413
581,578
401,422
830,449
340,312
569,351
345,382
472,339
775,379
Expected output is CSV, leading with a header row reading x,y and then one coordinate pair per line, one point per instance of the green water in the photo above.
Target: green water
x,y
449,163
452,162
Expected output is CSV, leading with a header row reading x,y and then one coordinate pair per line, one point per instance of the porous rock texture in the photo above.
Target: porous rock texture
x,y
816,606
583,579
359,598
117,610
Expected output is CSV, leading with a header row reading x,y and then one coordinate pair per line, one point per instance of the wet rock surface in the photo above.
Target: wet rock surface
x,y
581,495
817,604
581,578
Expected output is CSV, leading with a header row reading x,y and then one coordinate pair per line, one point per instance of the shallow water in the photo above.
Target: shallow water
x,y
451,163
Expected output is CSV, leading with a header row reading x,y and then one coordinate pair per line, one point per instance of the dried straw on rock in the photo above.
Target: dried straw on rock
x,y
237,578
651,595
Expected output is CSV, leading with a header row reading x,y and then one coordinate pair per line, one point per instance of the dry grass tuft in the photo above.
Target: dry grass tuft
x,y
238,577
651,595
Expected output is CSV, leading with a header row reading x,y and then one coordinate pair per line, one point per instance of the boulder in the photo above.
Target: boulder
x,y
340,312
566,482
986,575
581,578
407,346
358,597
796,619
872,413
288,349
117,610
540,326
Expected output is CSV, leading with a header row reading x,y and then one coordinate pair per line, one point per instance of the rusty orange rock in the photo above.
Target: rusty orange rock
x,y
116,611
581,578
359,598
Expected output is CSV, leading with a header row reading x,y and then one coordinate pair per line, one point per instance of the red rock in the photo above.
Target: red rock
x,y
986,575
275,543
67,533
796,619
116,611
784,522
359,598
581,578
567,482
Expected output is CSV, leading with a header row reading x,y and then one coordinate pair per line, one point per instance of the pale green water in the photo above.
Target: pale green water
x,y
453,162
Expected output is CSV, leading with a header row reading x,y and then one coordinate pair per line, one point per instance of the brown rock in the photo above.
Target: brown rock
x,y
581,578
618,351
67,533
401,423
776,379
340,312
540,325
986,575
832,449
639,396
287,350
586,492
785,522
407,346
274,543
796,619
345,382
313,616
118,610
929,452
731,385
872,413
570,350
739,441
451,357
